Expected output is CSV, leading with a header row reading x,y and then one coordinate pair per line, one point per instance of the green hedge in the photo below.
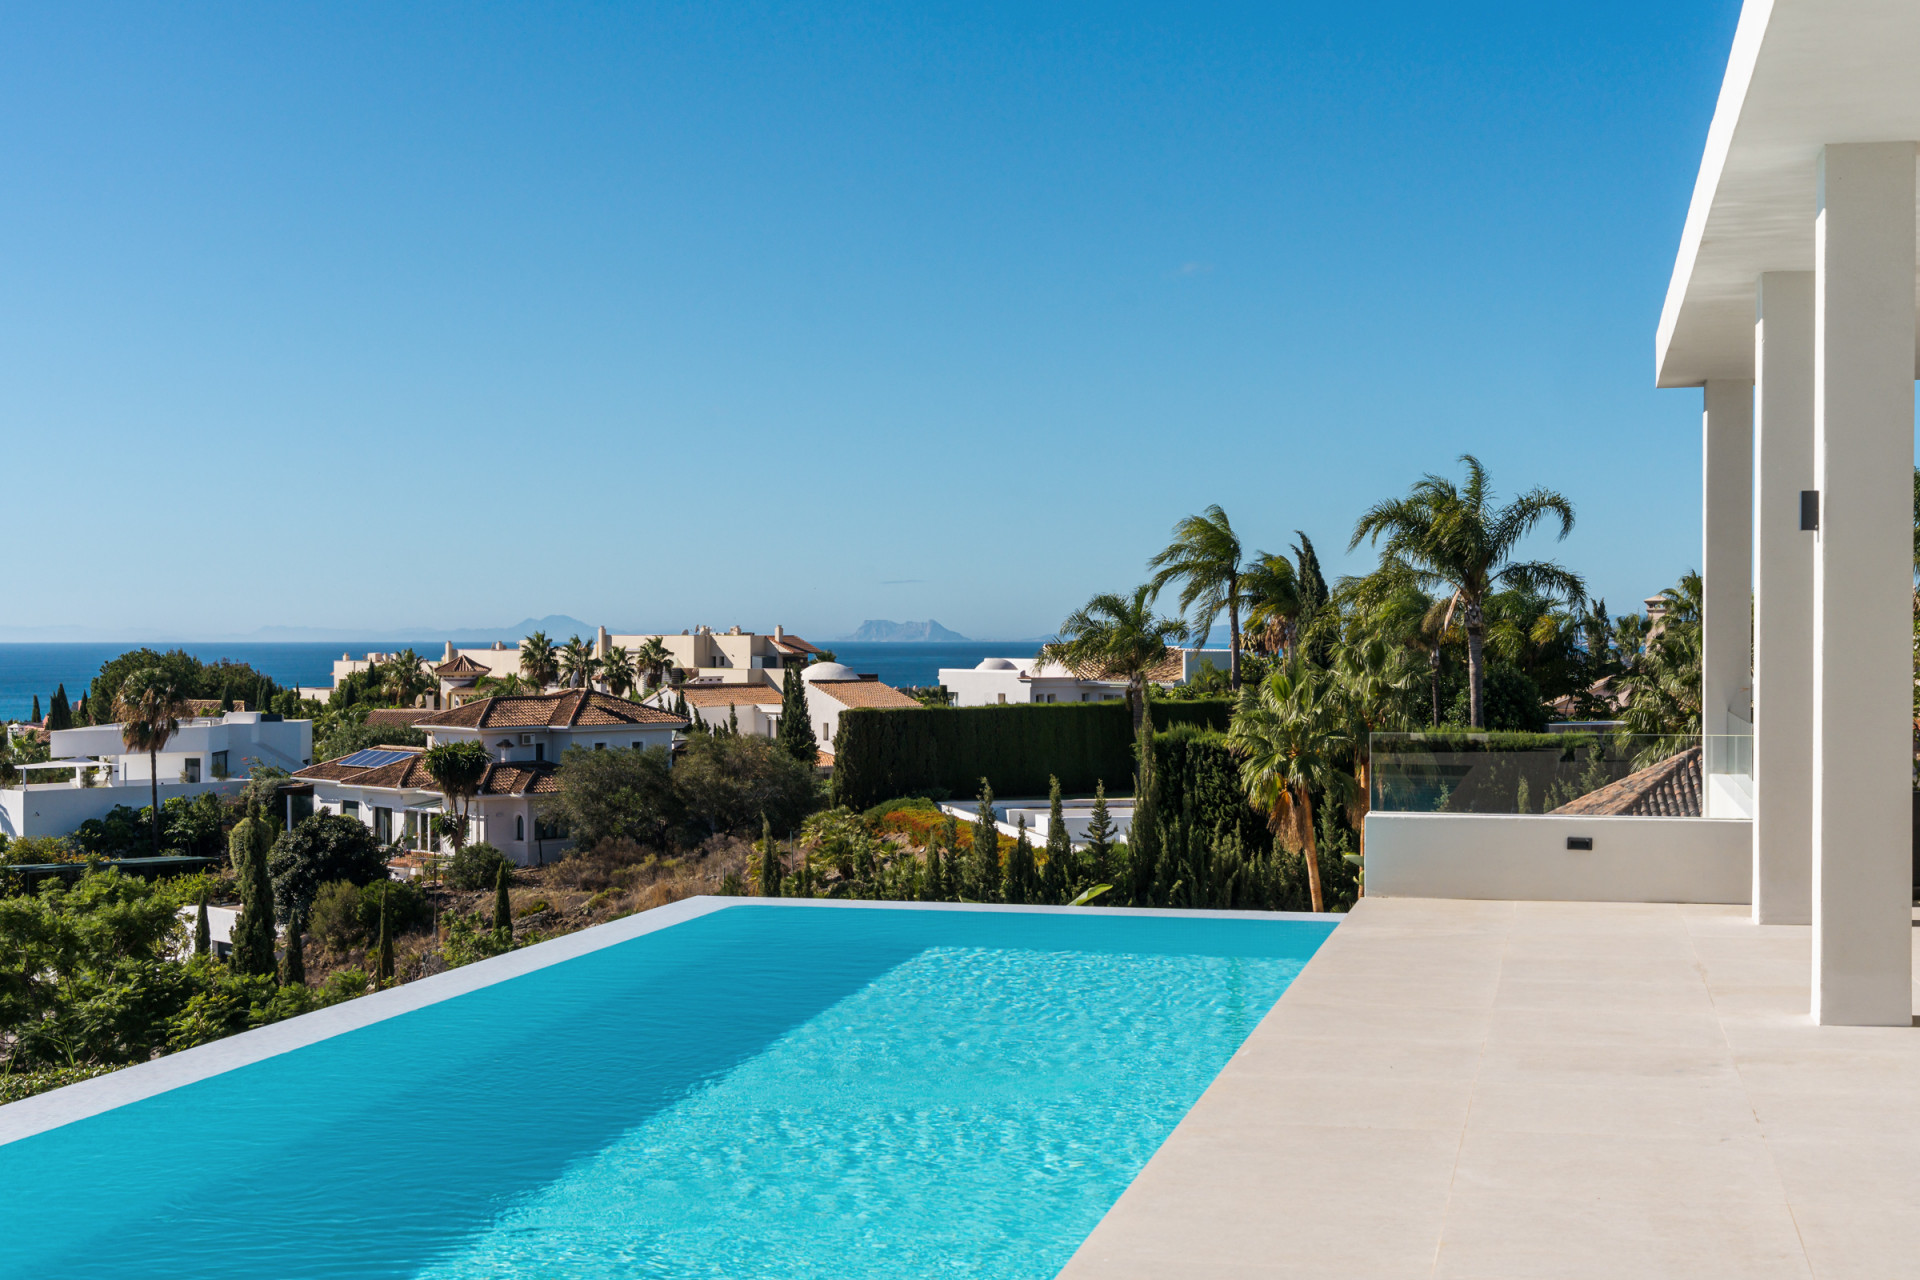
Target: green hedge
x,y
880,753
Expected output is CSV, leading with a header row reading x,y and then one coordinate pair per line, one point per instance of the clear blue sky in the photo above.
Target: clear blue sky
x,y
403,315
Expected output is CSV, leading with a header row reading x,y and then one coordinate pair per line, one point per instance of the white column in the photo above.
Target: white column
x,y
1782,600
1726,554
1862,591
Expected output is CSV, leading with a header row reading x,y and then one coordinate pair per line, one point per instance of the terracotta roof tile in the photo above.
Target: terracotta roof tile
x,y
1670,789
573,708
863,693
512,778
462,666
731,695
398,715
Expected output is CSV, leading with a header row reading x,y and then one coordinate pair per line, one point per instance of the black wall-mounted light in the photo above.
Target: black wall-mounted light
x,y
1809,510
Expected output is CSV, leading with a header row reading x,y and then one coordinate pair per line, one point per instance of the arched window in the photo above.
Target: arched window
x,y
520,827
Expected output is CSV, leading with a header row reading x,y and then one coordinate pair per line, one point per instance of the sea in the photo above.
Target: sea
x,y
30,670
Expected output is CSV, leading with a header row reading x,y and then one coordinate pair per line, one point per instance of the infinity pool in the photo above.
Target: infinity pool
x,y
759,1091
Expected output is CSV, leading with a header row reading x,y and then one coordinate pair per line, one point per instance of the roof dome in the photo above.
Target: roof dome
x,y
995,664
829,671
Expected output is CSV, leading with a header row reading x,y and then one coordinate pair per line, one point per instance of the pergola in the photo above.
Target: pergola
x,y
1793,305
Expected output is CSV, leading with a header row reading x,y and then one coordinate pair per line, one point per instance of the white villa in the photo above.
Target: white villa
x,y
754,705
1010,680
389,789
206,753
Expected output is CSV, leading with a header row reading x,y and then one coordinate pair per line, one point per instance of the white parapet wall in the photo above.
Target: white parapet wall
x,y
1524,857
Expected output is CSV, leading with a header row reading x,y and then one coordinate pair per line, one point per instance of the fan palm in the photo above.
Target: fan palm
x,y
654,661
458,769
1271,588
402,680
1293,734
1116,637
577,663
1448,536
538,662
1204,557
617,671
149,707
504,686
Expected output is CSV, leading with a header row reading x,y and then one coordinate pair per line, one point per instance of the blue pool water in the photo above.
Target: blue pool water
x,y
762,1091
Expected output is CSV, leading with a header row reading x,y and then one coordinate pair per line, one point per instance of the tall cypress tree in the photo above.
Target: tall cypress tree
x,y
1018,875
1056,879
36,708
1143,834
82,715
59,711
770,868
383,968
984,876
253,932
293,962
1100,840
502,905
796,722
202,928
934,883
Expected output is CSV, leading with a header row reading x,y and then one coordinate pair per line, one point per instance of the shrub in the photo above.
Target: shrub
x,y
617,795
730,784
327,846
917,804
475,867
345,915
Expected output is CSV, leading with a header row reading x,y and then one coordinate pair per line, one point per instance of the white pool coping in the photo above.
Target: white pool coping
x,y
86,1098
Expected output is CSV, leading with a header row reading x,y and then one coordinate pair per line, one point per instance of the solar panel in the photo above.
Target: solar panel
x,y
372,758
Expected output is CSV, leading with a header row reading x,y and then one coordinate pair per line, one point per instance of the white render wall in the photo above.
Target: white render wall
x,y
58,809
1782,601
1524,857
1862,602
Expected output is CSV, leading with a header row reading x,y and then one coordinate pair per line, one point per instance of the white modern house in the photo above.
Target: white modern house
x,y
206,753
390,790
755,705
1792,307
997,681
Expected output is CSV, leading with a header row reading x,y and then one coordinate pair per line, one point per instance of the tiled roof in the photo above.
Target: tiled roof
x,y
731,695
793,645
863,693
512,778
1670,789
574,708
398,715
462,666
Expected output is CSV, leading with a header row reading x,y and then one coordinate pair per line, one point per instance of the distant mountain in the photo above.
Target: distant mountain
x,y
880,631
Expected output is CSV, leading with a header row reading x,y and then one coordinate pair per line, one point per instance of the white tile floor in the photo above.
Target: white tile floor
x,y
1497,1089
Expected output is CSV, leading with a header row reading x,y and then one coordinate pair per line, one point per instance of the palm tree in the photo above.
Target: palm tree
x,y
577,663
1373,676
149,707
1662,683
1293,735
1204,557
538,662
617,671
402,680
1271,588
1116,637
505,686
1447,537
457,768
654,661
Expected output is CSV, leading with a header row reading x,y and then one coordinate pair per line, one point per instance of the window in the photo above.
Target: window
x,y
636,746
599,746
350,809
520,827
526,739
1003,697
190,772
219,764
539,751
383,825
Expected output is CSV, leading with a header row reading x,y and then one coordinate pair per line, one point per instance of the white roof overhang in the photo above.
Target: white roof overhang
x,y
1802,74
